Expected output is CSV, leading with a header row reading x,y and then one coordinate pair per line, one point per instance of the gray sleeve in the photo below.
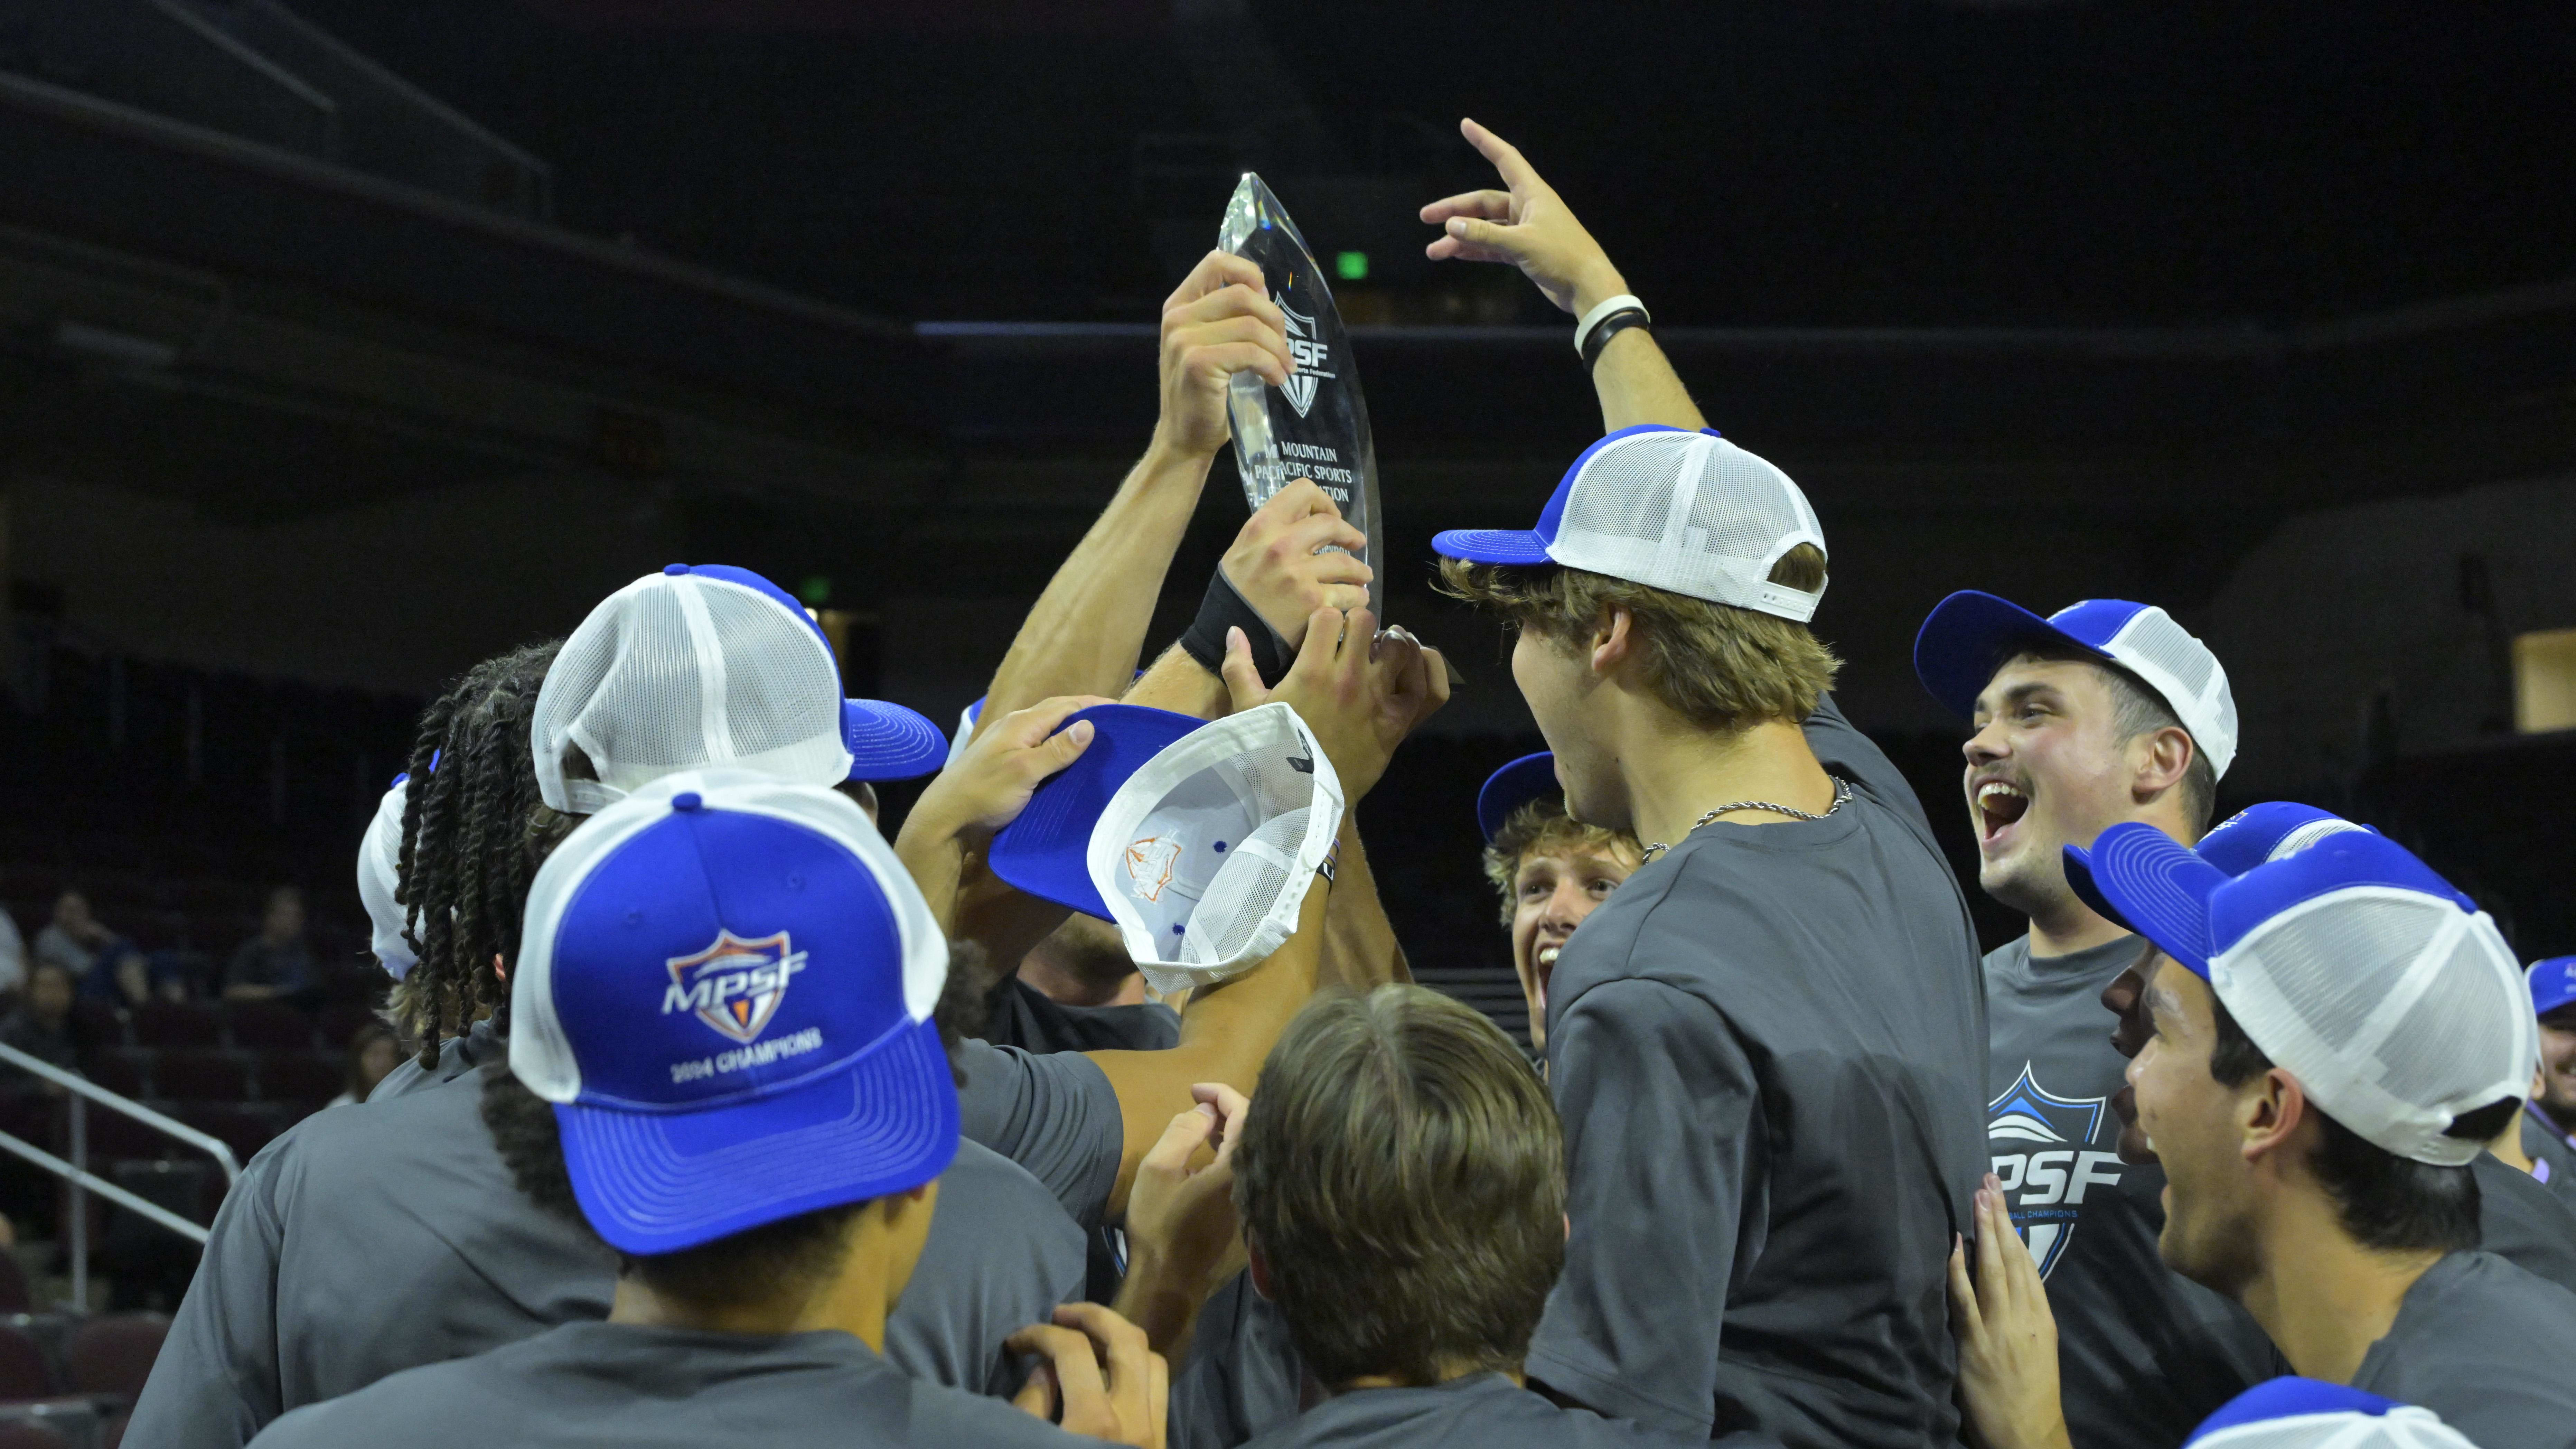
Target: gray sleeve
x,y
216,1380
943,1417
1055,1115
1242,1377
1001,1256
1658,1102
1847,752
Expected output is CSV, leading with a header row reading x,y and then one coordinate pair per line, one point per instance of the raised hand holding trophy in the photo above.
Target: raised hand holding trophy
x,y
1316,424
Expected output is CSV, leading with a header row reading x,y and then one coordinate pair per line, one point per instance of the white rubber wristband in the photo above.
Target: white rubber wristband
x,y
1601,309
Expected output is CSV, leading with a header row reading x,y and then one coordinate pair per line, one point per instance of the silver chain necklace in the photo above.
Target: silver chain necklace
x,y
1842,792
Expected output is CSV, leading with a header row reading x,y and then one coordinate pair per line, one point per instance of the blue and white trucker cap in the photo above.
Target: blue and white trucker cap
x,y
2553,984
2255,835
1531,777
1969,635
711,666
1673,509
1044,851
1205,854
380,875
2296,1413
2387,993
725,988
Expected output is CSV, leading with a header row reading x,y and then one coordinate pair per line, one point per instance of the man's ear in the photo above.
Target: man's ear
x,y
2269,1113
1260,1266
1614,638
2161,758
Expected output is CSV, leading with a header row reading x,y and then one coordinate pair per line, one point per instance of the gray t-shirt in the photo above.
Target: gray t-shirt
x,y
2483,1344
1481,1411
1242,1375
635,1387
2521,1222
1769,1050
2144,1354
1026,1017
2552,1150
457,1055
382,1236
1053,1113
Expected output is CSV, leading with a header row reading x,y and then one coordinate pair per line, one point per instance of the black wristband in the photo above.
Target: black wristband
x,y
1223,608
1607,328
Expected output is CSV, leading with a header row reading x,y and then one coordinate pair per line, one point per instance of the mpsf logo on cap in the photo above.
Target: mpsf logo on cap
x,y
1150,865
734,985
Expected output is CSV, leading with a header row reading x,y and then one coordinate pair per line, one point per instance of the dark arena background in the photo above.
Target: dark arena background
x,y
344,343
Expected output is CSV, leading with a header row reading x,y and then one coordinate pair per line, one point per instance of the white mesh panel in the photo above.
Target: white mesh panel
x,y
1244,891
2396,1011
675,672
1692,514
2181,668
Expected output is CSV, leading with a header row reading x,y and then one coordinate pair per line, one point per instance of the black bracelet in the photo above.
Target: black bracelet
x,y
1223,608
1607,328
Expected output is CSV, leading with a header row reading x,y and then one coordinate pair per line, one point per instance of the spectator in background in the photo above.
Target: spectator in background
x,y
106,966
42,1025
373,1054
74,938
277,961
13,955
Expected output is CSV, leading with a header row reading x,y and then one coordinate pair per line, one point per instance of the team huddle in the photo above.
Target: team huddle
x,y
1097,1104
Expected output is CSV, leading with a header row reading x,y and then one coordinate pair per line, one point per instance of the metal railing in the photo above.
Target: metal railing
x,y
83,1182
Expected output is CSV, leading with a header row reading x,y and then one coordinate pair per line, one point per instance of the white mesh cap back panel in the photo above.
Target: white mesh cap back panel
x,y
1205,855
2395,1010
1692,514
678,672
2183,670
379,876
540,1054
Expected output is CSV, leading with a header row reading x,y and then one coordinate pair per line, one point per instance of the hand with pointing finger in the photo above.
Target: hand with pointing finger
x,y
1527,226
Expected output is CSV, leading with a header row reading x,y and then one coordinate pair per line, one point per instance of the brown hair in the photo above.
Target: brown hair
x,y
1542,827
1721,667
1402,1174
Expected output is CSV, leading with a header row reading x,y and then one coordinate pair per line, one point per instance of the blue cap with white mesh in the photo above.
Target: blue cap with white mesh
x,y
2296,1413
2388,994
725,988
2552,983
710,666
1531,777
1969,635
1687,512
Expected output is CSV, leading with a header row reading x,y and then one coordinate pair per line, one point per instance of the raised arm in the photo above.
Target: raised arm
x,y
1361,693
1528,226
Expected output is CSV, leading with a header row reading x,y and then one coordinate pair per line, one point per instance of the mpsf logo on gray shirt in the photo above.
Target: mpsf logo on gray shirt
x,y
2041,1146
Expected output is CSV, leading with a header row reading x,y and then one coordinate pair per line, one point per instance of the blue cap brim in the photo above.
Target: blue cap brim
x,y
1046,851
889,742
1528,778
2139,877
1967,636
658,1182
1492,546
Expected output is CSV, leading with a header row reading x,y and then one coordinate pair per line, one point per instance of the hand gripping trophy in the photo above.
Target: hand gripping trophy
x,y
1315,425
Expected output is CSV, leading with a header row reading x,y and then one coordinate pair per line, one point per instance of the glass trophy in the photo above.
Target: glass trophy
x,y
1316,425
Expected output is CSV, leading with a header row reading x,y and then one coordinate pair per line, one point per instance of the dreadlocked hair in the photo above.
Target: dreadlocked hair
x,y
474,832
